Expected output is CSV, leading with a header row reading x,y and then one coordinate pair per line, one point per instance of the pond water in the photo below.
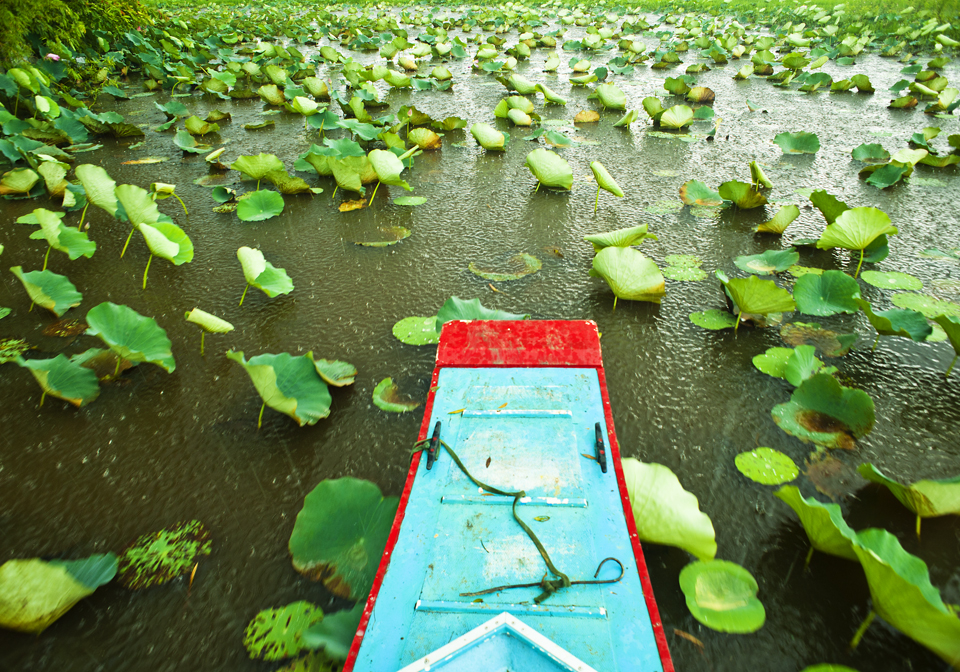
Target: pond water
x,y
157,448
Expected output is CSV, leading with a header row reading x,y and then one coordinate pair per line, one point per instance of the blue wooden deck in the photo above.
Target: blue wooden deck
x,y
456,538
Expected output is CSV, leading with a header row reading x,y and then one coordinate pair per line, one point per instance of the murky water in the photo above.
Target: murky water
x,y
157,448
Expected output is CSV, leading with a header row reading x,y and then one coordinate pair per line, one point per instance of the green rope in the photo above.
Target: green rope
x,y
549,587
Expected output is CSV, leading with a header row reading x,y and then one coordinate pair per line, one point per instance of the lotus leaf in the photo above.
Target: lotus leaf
x,y
929,306
828,205
758,178
275,634
393,234
288,184
771,261
459,309
336,373
856,229
424,138
903,595
824,412
677,116
951,327
830,343
742,194
767,466
604,179
824,524
630,274
64,379
722,595
794,365
634,235
798,143
488,137
871,153
34,593
288,384
168,241
208,322
159,557
417,330
885,176
51,290
550,169
714,320
907,323
755,296
138,206
18,181
410,200
130,335
73,243
524,263
549,96
664,512
340,534
334,635
693,192
891,280
927,498
611,97
784,217
188,143
259,206
197,126
257,167
828,293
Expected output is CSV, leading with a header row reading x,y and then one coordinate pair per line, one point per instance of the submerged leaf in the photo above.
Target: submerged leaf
x,y
524,263
275,634
159,557
458,309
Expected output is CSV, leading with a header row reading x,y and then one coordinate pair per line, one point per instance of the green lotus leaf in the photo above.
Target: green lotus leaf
x,y
630,274
903,595
693,192
824,412
288,384
336,373
130,335
392,235
926,498
386,396
767,466
18,181
488,137
409,200
792,364
53,173
611,97
906,323
784,217
831,343
188,143
722,596
714,320
259,206
742,194
523,263
549,96
34,593
885,176
798,143
340,534
388,167
417,330
824,524
677,116
683,260
550,169
909,157
682,273
653,106
459,309
275,634
304,106
870,153
757,297
138,206
263,275
891,280
520,84
64,379
168,241
209,322
771,261
424,138
950,324
334,635
604,179
347,174
257,167
633,235
71,242
758,178
289,184
99,187
828,205
159,557
271,94
828,293
664,512
51,290
929,306
197,126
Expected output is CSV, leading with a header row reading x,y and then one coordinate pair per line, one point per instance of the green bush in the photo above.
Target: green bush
x,y
50,24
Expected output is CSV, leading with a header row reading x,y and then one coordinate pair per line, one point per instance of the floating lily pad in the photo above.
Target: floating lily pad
x,y
417,330
288,384
386,396
455,308
409,200
824,524
714,320
664,512
824,412
664,207
340,534
393,235
693,192
830,343
828,293
798,143
275,634
684,274
771,261
525,264
929,306
767,466
792,364
259,206
159,557
683,260
722,596
907,323
892,280
336,373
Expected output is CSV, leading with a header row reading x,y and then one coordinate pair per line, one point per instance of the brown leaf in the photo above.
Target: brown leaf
x,y
65,328
690,638
830,476
586,117
347,206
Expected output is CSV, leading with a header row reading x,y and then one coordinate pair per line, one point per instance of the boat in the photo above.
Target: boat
x,y
517,436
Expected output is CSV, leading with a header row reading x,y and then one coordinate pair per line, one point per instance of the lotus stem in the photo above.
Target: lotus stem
x,y
181,203
918,527
615,297
16,106
146,270
857,272
116,371
334,194
875,342
950,368
46,257
260,418
124,250
538,188
597,203
806,563
43,395
374,193
862,629
203,335
244,294
737,325
82,215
